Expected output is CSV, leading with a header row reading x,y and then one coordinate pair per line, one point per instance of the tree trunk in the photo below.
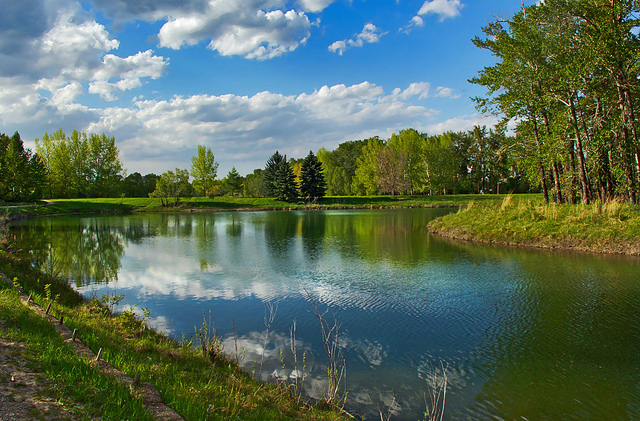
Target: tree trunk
x,y
543,175
581,162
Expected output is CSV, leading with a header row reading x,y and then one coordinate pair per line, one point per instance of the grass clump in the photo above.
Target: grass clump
x,y
610,227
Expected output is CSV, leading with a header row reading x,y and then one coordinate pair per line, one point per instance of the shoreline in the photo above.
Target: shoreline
x,y
606,229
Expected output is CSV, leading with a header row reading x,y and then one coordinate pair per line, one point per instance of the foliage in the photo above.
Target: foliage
x,y
566,73
232,184
204,169
80,165
171,186
313,185
270,174
137,185
279,178
254,184
22,174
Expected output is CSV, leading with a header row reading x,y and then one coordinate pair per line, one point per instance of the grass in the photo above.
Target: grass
x,y
189,380
119,205
76,383
611,227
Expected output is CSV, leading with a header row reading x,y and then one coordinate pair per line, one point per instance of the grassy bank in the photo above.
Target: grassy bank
x,y
612,227
115,205
199,385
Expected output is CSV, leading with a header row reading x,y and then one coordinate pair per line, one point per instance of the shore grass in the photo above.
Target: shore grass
x,y
612,227
187,379
76,384
123,205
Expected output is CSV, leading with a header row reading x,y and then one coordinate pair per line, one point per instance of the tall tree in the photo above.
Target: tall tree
x,y
313,185
233,182
270,175
364,181
392,171
204,169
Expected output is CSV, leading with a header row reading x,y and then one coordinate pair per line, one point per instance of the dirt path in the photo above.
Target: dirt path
x,y
24,390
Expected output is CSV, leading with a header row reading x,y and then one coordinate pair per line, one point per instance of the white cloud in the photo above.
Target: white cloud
x,y
442,92
370,35
239,28
128,70
416,21
443,8
245,130
315,6
462,123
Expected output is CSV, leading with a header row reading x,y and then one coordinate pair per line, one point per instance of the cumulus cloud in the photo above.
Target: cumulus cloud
x,y
462,123
247,129
370,35
315,6
129,71
416,21
239,27
443,8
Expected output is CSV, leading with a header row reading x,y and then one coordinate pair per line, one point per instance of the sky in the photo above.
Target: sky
x,y
242,77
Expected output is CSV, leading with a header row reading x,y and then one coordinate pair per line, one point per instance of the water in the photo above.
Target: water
x,y
520,334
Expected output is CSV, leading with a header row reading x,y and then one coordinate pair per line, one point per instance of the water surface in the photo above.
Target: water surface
x,y
521,334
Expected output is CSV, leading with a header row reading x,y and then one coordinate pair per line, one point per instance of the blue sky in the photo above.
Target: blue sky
x,y
243,77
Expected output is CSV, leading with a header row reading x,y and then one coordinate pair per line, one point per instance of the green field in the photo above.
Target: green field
x,y
116,205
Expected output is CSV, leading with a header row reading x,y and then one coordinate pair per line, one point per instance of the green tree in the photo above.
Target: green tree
x,y
270,175
285,185
80,165
312,186
21,172
171,186
204,169
104,166
254,184
392,171
364,180
232,184
410,145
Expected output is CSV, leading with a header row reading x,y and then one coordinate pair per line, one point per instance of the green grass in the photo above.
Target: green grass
x,y
612,227
75,383
115,205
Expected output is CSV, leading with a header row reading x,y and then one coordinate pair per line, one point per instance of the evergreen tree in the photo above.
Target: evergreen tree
x,y
285,184
313,185
271,173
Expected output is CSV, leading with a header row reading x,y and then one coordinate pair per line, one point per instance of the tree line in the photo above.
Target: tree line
x,y
567,75
409,162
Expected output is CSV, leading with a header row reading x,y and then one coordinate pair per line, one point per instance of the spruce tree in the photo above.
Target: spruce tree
x,y
313,186
271,174
286,188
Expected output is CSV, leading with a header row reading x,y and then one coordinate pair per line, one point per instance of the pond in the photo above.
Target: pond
x,y
519,334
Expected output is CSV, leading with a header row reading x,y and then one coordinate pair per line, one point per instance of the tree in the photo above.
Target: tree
x,y
364,180
232,184
392,171
21,173
254,184
204,169
271,173
285,185
80,165
104,166
170,186
313,185
410,144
